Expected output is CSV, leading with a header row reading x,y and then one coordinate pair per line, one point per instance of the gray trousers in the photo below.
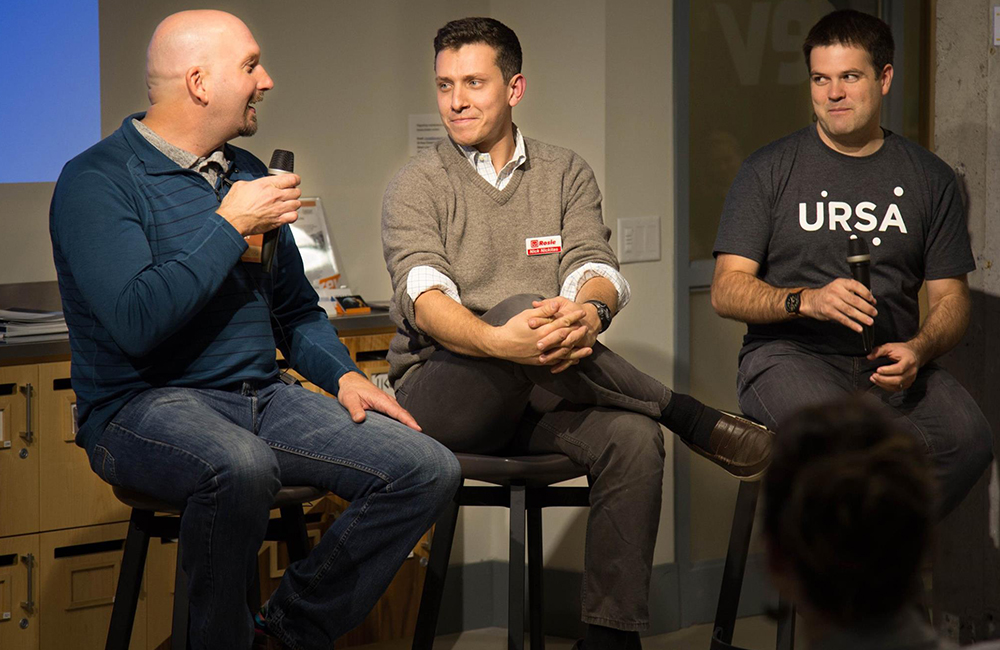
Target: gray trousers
x,y
601,413
781,377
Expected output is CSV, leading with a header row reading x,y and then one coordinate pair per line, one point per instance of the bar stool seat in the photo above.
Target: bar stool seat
x,y
534,471
152,517
286,496
525,485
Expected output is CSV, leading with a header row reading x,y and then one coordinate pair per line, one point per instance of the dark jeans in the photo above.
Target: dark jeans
x,y
781,377
223,455
601,413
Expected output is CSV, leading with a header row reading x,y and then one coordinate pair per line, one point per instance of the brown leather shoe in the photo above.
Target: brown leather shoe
x,y
739,446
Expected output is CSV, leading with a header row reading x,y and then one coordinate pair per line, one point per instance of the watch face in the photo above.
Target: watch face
x,y
792,303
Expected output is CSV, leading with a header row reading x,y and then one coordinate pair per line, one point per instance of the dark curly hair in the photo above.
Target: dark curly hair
x,y
489,31
849,504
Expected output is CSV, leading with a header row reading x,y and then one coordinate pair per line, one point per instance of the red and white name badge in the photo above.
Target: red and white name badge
x,y
543,245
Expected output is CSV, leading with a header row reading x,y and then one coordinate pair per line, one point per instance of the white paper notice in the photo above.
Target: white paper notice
x,y
425,130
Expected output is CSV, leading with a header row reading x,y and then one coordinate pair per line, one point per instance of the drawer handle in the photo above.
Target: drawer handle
x,y
29,605
27,434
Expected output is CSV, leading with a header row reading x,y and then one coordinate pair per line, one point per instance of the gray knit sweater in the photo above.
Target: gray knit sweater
x,y
439,212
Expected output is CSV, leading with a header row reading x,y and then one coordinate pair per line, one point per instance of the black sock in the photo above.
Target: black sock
x,y
690,419
607,638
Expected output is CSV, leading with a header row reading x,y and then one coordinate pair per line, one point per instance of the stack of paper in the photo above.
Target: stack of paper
x,y
25,325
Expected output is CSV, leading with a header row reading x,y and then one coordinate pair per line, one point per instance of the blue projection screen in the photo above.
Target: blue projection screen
x,y
50,107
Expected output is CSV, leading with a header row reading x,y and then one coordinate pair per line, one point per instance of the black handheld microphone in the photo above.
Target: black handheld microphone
x,y
282,162
859,259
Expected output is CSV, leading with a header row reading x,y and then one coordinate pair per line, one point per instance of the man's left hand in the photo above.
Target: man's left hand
x,y
900,374
357,395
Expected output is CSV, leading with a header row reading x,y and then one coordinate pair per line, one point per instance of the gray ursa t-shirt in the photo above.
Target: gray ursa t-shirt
x,y
795,203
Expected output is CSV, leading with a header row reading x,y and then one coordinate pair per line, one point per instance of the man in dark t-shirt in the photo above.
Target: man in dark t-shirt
x,y
781,261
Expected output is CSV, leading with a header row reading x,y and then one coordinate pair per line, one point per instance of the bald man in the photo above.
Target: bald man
x,y
173,328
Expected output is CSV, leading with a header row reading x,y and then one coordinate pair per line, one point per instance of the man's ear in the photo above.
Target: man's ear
x,y
197,84
515,89
886,78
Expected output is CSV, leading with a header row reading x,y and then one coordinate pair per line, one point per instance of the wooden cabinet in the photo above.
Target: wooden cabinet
x,y
19,590
79,570
18,450
71,495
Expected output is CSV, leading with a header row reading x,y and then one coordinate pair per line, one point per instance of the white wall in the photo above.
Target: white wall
x,y
347,74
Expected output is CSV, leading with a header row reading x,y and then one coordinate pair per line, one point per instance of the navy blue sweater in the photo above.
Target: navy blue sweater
x,y
154,291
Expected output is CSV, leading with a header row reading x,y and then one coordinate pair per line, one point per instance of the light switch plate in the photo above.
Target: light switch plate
x,y
638,239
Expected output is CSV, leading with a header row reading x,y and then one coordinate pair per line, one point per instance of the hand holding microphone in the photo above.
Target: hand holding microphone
x,y
263,205
848,301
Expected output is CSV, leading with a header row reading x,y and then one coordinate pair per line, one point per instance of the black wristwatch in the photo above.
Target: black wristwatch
x,y
793,302
603,313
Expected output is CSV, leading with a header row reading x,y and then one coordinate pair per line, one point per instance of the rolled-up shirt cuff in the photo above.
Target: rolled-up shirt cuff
x,y
425,278
576,279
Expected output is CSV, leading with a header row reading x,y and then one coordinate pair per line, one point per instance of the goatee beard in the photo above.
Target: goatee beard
x,y
250,121
249,127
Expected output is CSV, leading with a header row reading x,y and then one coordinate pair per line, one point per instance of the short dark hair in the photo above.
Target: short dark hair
x,y
490,31
850,27
849,505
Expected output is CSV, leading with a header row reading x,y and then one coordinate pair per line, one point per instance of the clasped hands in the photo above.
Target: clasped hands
x,y
555,332
851,304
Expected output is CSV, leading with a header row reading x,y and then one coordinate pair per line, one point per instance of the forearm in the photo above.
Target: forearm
x,y
304,332
313,348
599,288
453,326
140,309
943,328
745,297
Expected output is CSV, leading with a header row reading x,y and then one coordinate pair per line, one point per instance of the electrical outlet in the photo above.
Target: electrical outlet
x,y
638,239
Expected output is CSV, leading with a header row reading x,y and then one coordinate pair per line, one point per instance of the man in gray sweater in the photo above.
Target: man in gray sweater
x,y
503,278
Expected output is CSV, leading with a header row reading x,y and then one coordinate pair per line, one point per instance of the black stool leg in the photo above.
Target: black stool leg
x,y
294,522
736,562
786,626
515,582
536,602
129,581
437,567
179,624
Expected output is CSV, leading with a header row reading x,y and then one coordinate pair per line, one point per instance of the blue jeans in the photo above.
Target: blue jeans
x,y
222,455
781,377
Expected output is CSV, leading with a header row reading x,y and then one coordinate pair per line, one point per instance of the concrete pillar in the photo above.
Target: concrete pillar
x,y
967,136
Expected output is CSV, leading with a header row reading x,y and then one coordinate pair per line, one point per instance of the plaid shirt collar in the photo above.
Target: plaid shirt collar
x,y
483,163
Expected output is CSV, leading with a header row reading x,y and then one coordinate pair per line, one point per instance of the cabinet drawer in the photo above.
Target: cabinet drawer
x,y
19,586
79,574
19,452
70,494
